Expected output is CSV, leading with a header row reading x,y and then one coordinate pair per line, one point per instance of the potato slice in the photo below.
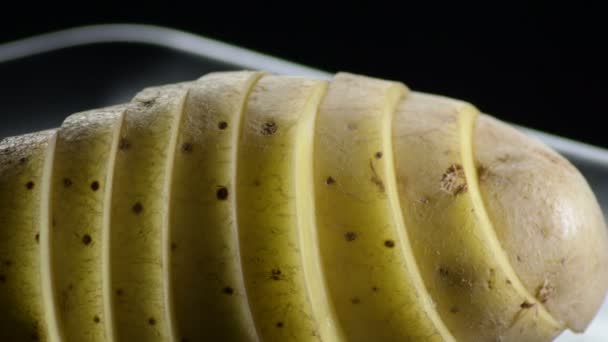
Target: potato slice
x,y
271,161
371,273
22,161
135,273
207,294
84,145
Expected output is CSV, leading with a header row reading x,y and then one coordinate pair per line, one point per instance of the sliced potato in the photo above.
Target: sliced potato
x,y
138,308
371,273
253,207
474,287
22,161
279,111
202,228
78,185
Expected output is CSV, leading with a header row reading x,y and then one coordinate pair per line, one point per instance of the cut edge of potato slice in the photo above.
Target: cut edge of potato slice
x,y
466,121
316,284
49,305
233,199
166,225
275,281
401,227
105,232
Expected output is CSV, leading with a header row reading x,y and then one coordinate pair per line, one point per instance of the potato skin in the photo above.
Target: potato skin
x,y
547,220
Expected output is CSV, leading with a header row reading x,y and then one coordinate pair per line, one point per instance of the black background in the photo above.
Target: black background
x,y
540,65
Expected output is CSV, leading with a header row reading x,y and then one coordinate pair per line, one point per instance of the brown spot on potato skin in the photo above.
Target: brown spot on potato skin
x,y
526,305
95,185
350,236
187,147
378,155
147,102
29,185
482,171
137,208
454,310
544,291
151,321
67,182
492,280
222,193
119,292
2,279
355,300
276,274
124,144
86,239
389,243
279,324
375,178
504,158
330,180
453,180
228,290
269,128
453,277
96,319
222,125
37,237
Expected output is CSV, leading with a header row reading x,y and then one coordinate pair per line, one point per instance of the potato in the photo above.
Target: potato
x,y
245,206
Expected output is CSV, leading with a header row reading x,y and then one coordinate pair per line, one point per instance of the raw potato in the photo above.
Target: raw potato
x,y
252,207
77,201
